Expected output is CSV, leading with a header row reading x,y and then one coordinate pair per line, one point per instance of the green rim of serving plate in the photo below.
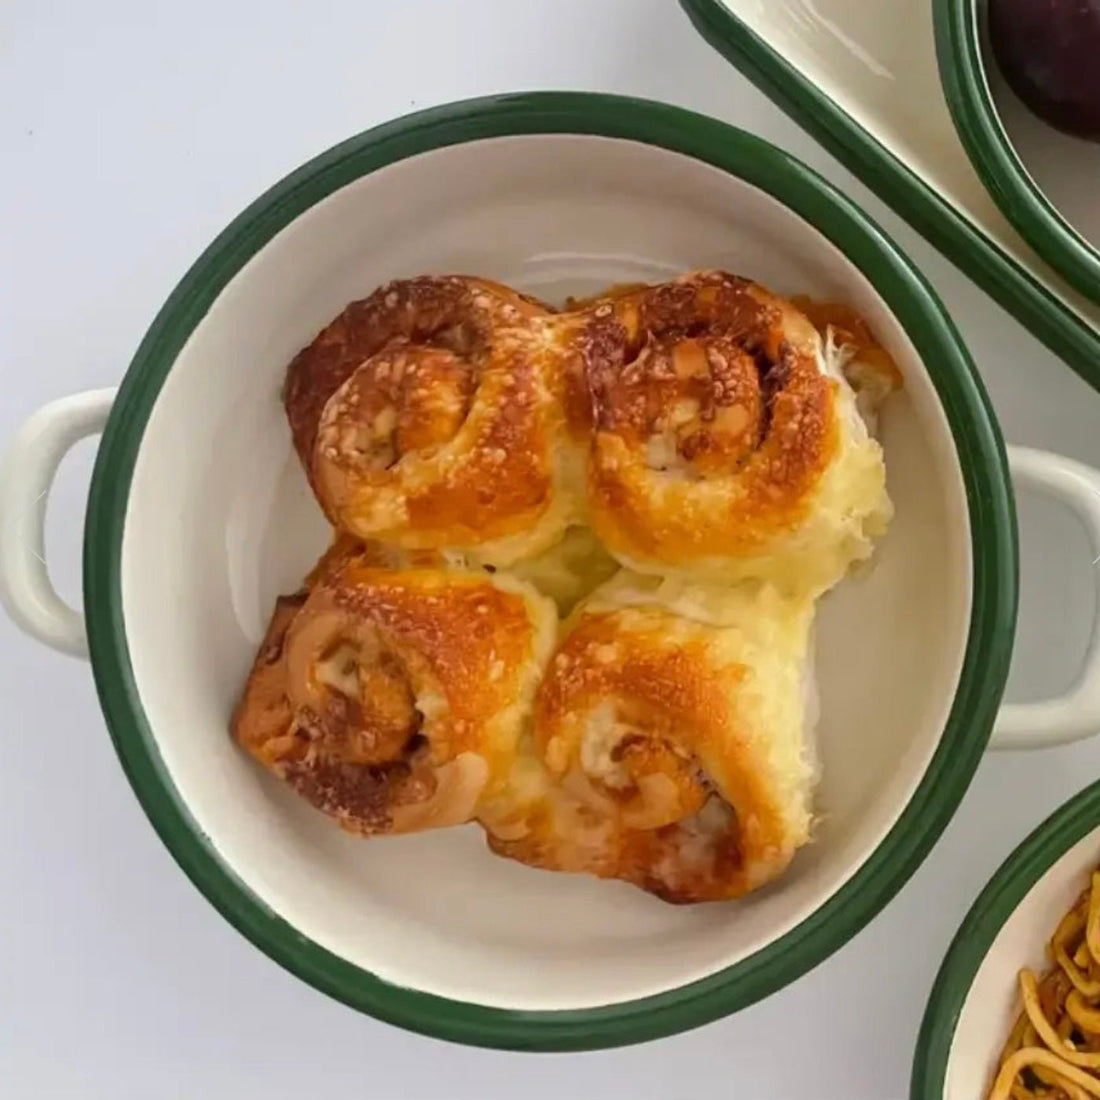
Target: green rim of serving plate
x,y
1036,219
992,520
1072,822
1049,318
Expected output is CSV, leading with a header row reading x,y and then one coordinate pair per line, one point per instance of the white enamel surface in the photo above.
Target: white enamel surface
x,y
877,60
993,1001
437,912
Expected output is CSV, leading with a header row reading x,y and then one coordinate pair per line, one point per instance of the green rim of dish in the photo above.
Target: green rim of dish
x,y
1006,889
1036,219
1047,316
992,519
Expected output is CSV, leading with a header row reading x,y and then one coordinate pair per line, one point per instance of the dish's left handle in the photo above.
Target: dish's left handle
x,y
26,478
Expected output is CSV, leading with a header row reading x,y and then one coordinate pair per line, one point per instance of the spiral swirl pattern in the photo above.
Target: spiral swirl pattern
x,y
669,745
392,699
724,441
424,418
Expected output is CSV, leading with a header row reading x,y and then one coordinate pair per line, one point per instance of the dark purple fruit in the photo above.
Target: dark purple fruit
x,y
1049,52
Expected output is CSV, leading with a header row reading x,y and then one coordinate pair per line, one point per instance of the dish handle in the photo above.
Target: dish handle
x,y
27,476
1076,714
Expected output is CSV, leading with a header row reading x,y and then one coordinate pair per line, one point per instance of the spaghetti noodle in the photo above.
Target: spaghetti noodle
x,y
1053,1050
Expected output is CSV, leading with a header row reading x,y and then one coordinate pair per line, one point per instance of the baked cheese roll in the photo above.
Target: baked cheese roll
x,y
392,699
424,416
726,442
672,742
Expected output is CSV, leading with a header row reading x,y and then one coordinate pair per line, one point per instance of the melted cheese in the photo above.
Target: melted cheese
x,y
570,570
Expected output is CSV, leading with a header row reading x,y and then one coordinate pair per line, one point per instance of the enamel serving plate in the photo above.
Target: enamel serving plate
x,y
199,515
861,76
1045,182
975,999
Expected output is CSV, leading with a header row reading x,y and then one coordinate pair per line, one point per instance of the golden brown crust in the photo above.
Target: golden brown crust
x,y
423,417
428,310
703,431
451,413
698,384
390,699
652,766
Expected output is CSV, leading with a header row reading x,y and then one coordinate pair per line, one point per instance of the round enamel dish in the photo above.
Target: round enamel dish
x,y
1043,180
555,194
975,999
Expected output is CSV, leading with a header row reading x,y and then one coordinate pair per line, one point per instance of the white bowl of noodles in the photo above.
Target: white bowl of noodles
x,y
1016,1002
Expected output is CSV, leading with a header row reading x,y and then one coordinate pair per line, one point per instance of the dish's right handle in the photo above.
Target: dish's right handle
x,y
1076,714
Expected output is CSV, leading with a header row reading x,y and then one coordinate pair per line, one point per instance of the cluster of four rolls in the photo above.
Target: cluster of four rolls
x,y
575,571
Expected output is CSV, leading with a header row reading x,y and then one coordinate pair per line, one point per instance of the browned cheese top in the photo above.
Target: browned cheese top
x,y
712,420
378,678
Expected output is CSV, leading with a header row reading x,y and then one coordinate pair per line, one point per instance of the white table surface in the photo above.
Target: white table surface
x,y
131,131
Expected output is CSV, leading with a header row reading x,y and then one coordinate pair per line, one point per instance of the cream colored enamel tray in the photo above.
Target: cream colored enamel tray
x,y
862,77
